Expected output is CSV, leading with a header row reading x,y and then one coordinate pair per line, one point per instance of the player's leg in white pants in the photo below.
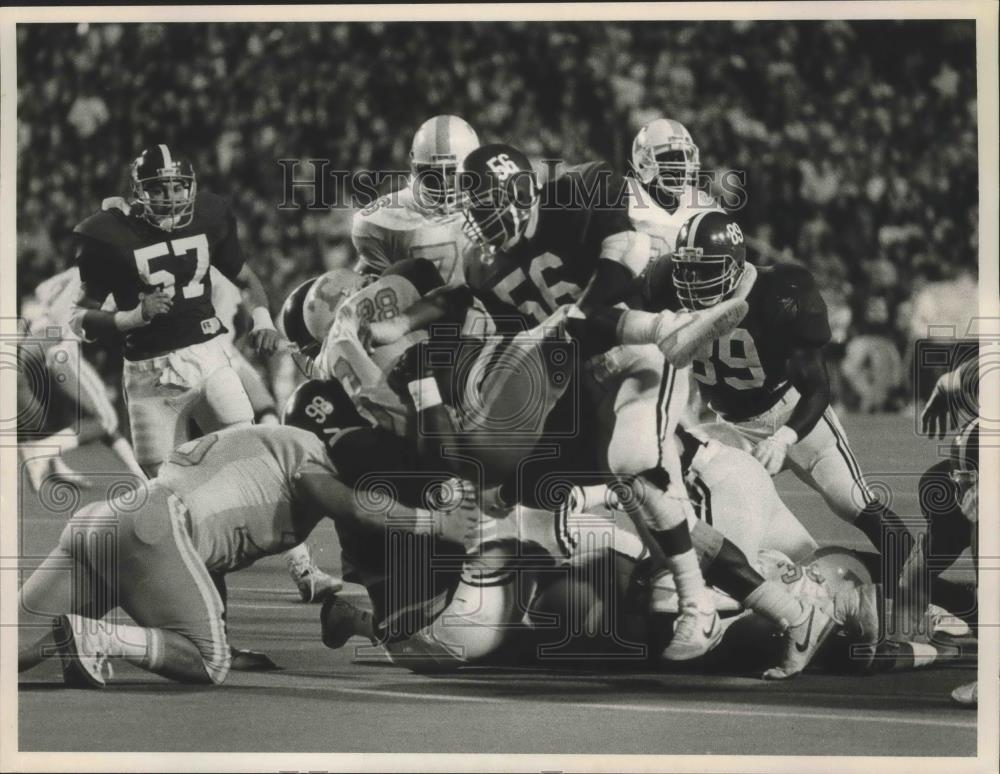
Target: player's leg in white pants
x,y
736,496
82,385
825,462
647,402
145,563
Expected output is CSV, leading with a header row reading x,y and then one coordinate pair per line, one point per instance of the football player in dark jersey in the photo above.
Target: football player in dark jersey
x,y
767,377
153,258
570,242
949,498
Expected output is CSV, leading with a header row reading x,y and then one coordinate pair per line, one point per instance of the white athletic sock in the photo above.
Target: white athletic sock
x,y
770,600
688,578
136,644
299,555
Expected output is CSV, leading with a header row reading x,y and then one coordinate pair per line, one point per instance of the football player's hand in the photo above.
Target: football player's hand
x,y
456,513
265,341
940,414
156,303
409,367
771,452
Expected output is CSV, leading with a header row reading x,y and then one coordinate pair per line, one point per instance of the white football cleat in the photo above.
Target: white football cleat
x,y
940,621
313,584
681,336
696,631
967,695
802,640
83,653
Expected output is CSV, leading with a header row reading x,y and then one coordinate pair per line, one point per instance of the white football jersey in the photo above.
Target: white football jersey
x,y
363,373
57,297
394,228
662,226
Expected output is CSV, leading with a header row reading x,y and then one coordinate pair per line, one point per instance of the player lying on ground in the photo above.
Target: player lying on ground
x,y
806,625
219,504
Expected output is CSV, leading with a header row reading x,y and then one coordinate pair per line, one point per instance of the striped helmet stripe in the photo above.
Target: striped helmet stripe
x,y
692,232
165,152
442,134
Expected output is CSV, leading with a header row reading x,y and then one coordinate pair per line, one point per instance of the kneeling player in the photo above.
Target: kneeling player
x,y
219,504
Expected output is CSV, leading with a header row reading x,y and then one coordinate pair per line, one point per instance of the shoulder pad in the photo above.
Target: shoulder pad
x,y
387,212
109,226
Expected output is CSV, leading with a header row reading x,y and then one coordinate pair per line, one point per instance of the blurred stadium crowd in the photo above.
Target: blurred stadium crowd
x,y
858,139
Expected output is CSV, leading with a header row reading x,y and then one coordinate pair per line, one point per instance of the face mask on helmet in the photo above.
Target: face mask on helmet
x,y
436,188
439,146
497,218
664,153
708,261
164,188
704,280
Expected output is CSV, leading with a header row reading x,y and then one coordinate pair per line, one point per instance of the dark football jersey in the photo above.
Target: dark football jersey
x,y
746,371
410,578
124,256
578,211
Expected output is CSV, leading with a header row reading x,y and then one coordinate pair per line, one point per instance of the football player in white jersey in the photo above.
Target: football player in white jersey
x,y
666,161
423,219
50,334
219,504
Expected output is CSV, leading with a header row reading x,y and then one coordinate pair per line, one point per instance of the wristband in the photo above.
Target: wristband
x,y
262,319
127,321
637,327
785,435
424,393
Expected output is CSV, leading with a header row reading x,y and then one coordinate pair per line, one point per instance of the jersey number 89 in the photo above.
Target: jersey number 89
x,y
748,372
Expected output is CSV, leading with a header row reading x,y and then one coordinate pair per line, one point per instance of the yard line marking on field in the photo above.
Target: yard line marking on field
x,y
679,710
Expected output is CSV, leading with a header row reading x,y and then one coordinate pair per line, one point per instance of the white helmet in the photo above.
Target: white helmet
x,y
439,146
664,151
324,298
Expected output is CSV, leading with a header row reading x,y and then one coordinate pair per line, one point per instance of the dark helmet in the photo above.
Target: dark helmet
x,y
708,259
167,209
322,407
292,320
499,189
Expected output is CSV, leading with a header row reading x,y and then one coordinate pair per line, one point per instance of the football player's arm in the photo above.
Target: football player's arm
x,y
369,242
624,252
956,388
437,303
87,319
808,325
455,523
263,335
